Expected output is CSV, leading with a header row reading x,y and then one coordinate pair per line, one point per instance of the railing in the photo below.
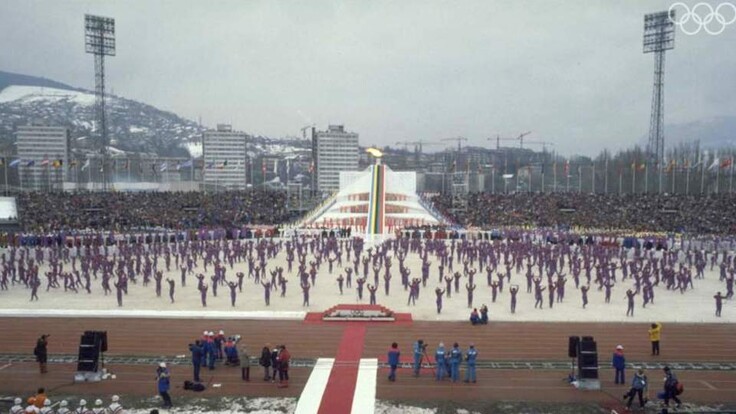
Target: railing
x,y
321,208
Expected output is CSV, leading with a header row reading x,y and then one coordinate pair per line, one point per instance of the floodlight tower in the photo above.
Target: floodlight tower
x,y
659,36
99,40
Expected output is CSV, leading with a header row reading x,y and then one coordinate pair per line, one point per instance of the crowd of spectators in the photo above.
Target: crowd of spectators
x,y
711,214
43,212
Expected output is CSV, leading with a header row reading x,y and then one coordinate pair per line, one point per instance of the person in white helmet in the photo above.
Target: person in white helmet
x,y
63,408
163,380
17,408
82,409
115,407
99,408
47,409
31,409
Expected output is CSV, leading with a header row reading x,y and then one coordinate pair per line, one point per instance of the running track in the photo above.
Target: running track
x,y
347,342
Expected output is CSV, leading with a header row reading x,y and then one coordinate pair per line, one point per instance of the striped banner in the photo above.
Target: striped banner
x,y
377,201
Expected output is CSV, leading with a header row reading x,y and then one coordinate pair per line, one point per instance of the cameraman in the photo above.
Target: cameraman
x,y
41,352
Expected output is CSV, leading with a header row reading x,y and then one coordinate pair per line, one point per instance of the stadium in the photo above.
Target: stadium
x,y
150,264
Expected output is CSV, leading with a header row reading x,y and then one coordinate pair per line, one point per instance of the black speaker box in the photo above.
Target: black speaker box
x,y
588,360
588,346
572,346
588,373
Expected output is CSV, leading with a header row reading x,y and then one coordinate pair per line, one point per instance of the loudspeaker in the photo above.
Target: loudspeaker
x,y
588,360
572,346
91,345
588,346
589,373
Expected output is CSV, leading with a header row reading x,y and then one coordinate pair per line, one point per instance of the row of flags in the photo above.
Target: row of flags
x,y
635,166
125,165
58,163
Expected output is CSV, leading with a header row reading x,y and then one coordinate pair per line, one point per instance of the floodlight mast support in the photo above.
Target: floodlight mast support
x,y
659,36
100,41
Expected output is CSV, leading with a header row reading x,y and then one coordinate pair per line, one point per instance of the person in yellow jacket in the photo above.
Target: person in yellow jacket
x,y
655,333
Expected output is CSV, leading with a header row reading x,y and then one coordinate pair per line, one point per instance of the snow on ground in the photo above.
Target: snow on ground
x,y
39,93
695,305
386,408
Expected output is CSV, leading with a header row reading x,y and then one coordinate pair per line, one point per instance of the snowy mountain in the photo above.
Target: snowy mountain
x,y
132,126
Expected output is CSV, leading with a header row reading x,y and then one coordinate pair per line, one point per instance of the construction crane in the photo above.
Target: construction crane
x,y
459,142
499,139
521,138
304,130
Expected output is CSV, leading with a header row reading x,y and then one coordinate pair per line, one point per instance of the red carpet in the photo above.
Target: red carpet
x,y
338,397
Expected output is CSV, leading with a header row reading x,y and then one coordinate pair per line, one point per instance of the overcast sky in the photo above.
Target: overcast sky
x,y
572,72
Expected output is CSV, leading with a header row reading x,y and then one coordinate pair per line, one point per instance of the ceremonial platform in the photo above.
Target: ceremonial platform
x,y
375,201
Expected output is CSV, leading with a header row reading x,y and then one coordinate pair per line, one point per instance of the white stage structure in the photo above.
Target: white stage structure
x,y
376,201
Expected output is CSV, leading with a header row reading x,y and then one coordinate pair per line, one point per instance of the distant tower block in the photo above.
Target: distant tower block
x,y
659,36
99,40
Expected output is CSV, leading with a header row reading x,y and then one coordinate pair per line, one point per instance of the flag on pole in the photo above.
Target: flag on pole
x,y
2,162
223,165
263,166
642,166
45,162
127,165
276,166
72,164
186,164
30,163
210,165
57,163
567,167
14,163
726,163
85,165
670,166
164,166
716,163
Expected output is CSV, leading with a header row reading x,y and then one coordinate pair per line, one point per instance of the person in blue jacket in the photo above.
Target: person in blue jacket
x,y
163,378
419,349
197,351
439,358
619,363
456,356
209,349
470,358
393,360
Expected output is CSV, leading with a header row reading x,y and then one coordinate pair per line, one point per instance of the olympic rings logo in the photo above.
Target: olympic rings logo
x,y
702,22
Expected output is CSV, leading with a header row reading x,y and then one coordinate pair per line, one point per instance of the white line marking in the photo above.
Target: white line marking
x,y
5,366
315,387
364,400
707,384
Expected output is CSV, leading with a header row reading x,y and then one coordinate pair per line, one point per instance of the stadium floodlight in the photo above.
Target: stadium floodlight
x,y
99,40
659,36
99,35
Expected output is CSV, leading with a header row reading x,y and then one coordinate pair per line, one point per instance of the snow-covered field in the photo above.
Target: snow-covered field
x,y
695,305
